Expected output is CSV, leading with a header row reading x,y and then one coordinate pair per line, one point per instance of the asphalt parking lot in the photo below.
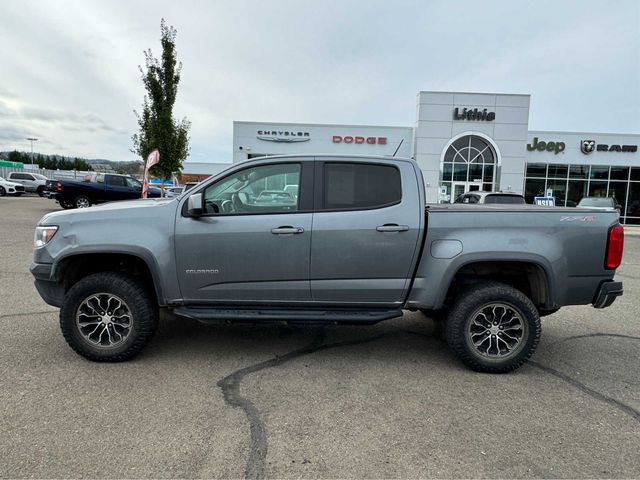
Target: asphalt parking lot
x,y
383,401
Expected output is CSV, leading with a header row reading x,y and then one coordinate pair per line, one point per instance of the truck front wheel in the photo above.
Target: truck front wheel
x,y
108,317
493,327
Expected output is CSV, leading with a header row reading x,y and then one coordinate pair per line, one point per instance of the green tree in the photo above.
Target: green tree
x,y
15,156
158,128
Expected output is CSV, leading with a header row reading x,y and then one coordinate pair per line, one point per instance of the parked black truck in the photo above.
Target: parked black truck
x,y
99,188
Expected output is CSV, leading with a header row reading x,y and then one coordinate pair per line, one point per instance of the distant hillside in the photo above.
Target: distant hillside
x,y
61,162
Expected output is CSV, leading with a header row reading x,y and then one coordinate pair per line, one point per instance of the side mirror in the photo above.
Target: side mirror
x,y
194,205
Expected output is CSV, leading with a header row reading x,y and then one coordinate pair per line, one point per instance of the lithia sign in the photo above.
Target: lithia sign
x,y
473,114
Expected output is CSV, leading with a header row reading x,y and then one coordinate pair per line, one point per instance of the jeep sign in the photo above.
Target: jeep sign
x,y
541,146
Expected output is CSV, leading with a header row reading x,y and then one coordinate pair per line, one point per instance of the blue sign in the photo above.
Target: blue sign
x,y
545,201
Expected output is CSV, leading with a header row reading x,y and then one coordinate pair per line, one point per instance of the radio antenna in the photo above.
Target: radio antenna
x,y
399,145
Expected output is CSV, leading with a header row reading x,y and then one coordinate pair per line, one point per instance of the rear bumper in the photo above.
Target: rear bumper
x,y
51,292
607,293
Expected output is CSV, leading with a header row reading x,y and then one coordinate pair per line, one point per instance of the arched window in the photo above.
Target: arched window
x,y
472,160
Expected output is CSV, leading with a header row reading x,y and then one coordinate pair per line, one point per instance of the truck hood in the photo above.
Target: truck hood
x,y
122,210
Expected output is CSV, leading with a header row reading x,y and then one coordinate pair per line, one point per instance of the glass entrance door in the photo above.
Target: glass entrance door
x,y
463,187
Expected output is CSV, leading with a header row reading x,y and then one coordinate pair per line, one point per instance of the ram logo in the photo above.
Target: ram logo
x,y
587,146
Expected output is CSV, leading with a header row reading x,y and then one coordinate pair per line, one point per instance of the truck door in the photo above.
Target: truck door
x,y
119,189
253,242
366,226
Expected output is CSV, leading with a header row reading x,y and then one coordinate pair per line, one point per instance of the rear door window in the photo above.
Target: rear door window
x,y
360,186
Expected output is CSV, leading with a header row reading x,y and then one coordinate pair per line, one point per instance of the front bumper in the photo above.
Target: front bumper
x,y
51,291
607,294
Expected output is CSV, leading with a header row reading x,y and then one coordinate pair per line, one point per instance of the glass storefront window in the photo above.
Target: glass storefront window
x,y
579,171
633,202
618,190
475,172
635,174
559,188
600,172
576,190
598,188
469,159
488,173
619,173
447,170
459,172
537,170
557,171
533,188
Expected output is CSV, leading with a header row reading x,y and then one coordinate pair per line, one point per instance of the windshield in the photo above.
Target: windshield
x,y
596,202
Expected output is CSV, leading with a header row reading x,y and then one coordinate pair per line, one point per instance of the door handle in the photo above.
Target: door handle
x,y
287,230
392,227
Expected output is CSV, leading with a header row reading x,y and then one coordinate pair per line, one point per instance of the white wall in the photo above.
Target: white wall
x,y
436,126
320,139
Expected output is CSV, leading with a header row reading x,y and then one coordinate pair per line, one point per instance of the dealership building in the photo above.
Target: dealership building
x,y
473,141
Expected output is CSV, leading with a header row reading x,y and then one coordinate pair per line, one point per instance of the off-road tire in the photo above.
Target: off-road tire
x,y
144,316
460,316
82,201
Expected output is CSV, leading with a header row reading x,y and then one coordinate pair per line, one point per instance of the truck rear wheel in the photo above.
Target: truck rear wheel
x,y
493,327
108,317
82,201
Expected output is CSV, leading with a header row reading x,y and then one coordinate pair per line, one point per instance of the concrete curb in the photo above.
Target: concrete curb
x,y
632,231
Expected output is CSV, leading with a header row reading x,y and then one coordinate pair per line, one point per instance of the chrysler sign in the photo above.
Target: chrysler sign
x,y
284,136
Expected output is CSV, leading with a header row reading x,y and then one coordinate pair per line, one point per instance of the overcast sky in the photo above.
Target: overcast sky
x,y
69,70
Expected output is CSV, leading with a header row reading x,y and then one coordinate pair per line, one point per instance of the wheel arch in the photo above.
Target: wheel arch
x,y
529,275
71,268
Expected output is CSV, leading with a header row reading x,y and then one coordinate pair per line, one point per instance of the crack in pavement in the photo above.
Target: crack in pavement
x,y
635,414
7,315
629,410
589,335
230,386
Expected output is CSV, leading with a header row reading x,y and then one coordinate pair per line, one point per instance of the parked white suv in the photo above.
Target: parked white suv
x,y
10,188
32,182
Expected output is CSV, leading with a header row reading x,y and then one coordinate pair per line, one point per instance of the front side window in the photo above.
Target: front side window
x,y
255,190
133,183
360,186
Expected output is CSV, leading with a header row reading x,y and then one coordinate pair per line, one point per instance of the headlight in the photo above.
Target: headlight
x,y
44,235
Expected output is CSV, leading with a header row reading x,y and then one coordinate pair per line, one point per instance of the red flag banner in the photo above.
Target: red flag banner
x,y
152,159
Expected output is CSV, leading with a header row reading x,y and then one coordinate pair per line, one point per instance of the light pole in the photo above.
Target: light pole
x,y
32,139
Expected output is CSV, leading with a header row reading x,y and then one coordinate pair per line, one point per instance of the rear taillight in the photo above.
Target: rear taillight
x,y
615,245
59,187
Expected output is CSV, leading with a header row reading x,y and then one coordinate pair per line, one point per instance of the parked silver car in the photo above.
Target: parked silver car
x,y
32,182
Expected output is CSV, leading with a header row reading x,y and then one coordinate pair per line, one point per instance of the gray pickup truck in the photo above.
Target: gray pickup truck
x,y
355,244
